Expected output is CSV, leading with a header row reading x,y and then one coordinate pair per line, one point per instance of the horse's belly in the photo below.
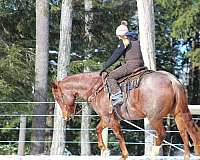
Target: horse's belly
x,y
130,113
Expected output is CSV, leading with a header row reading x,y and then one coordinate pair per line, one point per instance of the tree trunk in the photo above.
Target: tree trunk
x,y
41,74
147,42
194,85
194,89
86,110
58,144
147,32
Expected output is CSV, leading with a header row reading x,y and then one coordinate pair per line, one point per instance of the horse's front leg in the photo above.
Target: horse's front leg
x,y
115,125
101,125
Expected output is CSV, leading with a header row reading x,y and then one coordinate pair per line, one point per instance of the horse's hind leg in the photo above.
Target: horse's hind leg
x,y
161,134
101,125
115,125
183,132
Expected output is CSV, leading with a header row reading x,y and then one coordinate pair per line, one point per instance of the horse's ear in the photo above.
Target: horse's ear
x,y
54,85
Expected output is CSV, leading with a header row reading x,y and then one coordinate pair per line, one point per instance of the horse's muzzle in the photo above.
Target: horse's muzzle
x,y
67,118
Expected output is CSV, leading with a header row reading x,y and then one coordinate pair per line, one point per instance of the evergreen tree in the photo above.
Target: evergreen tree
x,y
41,75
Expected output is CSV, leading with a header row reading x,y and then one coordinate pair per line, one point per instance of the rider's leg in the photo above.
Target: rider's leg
x,y
116,94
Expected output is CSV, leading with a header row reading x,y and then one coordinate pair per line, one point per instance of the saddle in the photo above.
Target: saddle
x,y
132,80
126,83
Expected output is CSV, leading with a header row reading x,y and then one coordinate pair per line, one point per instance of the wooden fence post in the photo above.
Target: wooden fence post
x,y
22,136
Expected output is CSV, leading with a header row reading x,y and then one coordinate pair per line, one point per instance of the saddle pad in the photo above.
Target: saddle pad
x,y
133,81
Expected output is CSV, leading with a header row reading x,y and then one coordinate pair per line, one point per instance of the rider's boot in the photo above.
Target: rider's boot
x,y
115,91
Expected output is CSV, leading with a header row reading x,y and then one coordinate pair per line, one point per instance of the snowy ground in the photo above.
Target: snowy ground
x,y
12,157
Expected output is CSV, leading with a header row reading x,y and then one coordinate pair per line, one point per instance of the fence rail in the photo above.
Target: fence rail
x,y
195,109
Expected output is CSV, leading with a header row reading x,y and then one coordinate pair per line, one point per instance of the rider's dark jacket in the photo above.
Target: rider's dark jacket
x,y
132,54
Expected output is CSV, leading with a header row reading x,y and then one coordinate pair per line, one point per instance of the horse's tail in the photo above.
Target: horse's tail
x,y
183,115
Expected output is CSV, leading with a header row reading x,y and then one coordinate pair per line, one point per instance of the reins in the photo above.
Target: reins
x,y
95,91
99,88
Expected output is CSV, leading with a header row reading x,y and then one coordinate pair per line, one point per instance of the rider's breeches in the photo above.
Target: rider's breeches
x,y
116,74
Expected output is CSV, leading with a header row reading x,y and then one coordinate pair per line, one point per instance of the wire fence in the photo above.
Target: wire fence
x,y
17,128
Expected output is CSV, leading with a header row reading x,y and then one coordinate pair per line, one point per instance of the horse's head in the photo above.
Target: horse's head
x,y
66,101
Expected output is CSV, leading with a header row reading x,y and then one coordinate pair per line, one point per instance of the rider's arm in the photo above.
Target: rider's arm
x,y
115,56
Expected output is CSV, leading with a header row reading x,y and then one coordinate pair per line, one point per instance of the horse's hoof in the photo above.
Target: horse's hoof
x,y
124,157
186,157
105,153
102,147
155,151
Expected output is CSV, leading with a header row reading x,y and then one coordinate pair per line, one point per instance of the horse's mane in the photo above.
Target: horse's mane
x,y
91,75
81,81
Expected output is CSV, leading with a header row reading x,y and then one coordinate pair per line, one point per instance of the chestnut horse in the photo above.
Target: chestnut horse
x,y
158,94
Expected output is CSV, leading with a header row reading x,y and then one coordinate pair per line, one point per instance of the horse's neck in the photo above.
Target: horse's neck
x,y
82,84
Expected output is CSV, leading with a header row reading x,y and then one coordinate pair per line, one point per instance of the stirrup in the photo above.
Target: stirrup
x,y
117,99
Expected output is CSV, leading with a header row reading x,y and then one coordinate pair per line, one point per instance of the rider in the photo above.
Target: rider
x,y
129,47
